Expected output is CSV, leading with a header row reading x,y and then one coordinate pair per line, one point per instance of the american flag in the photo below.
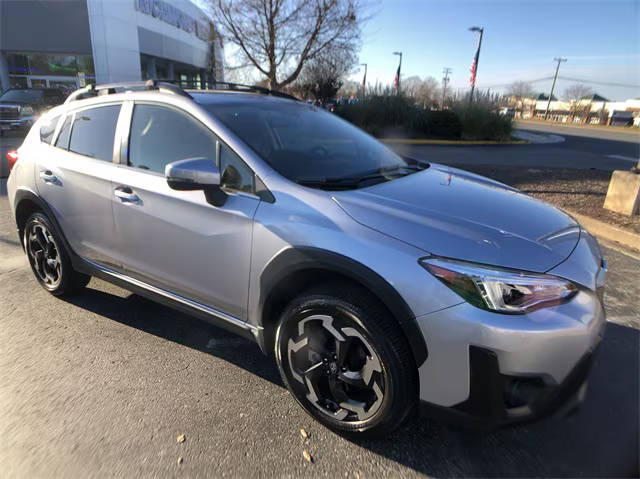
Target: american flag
x,y
396,80
474,68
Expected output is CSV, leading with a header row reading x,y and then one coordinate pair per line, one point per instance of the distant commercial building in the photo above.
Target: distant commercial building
x,y
67,43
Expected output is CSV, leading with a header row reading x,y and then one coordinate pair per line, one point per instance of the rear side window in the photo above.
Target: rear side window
x,y
63,137
161,135
93,132
47,130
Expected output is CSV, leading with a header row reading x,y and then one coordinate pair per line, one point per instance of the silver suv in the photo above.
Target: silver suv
x,y
382,285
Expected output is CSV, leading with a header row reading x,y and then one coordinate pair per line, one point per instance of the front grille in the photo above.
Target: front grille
x,y
9,113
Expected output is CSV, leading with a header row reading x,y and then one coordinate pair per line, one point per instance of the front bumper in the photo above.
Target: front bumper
x,y
495,401
487,369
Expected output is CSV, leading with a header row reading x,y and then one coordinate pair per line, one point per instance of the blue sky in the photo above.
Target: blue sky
x,y
600,39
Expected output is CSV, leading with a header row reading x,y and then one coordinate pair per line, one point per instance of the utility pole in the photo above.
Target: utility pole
x,y
559,60
445,80
398,72
476,60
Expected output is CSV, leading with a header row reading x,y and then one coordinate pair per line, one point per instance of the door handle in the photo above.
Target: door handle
x,y
126,195
48,177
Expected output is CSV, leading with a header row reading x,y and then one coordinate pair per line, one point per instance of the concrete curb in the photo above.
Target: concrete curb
x,y
606,231
417,141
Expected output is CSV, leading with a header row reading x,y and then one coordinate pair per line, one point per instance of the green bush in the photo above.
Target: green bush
x,y
391,116
480,123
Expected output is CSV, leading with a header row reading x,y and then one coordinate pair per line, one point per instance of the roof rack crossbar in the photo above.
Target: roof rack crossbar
x,y
111,88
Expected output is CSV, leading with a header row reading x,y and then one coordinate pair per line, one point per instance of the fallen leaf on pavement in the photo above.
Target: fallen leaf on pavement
x,y
179,459
180,438
307,456
303,433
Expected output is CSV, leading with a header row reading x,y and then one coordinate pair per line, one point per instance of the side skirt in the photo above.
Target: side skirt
x,y
167,298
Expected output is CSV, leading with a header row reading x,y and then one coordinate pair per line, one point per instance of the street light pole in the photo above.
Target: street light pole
x,y
398,72
559,60
445,80
476,59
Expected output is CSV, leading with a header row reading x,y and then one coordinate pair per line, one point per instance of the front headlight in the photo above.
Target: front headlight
x,y
500,289
26,111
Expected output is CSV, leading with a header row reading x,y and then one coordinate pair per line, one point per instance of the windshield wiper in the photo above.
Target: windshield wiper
x,y
350,182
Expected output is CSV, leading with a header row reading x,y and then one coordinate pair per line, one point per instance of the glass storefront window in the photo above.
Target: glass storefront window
x,y
18,64
54,65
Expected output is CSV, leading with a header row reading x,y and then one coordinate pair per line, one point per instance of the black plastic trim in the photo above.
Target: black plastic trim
x,y
299,259
485,407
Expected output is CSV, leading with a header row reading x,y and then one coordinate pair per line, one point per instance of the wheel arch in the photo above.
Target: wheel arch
x,y
27,203
296,269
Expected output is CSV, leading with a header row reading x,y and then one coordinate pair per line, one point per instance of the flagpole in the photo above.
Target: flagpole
x,y
398,72
364,79
477,60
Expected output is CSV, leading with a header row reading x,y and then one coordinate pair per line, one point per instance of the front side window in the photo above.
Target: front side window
x,y
161,135
93,132
47,130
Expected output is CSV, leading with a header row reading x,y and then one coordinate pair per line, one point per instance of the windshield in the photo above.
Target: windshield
x,y
22,96
307,144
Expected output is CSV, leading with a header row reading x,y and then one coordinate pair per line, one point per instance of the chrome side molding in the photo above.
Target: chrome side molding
x,y
175,297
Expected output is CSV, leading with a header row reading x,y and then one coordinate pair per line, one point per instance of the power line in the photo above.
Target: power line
x,y
600,82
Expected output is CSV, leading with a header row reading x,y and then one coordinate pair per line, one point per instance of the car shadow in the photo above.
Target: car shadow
x,y
599,440
153,318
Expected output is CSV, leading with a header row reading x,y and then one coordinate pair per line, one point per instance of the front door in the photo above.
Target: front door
x,y
176,240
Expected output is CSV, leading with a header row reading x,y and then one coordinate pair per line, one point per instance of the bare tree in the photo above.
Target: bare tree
x,y
278,37
424,92
577,91
324,75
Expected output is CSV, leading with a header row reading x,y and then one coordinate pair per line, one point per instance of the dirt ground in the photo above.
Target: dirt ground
x,y
581,191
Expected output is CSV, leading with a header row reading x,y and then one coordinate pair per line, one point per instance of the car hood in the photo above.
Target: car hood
x,y
449,212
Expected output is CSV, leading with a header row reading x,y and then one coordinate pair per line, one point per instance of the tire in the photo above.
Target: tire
x,y
49,259
346,361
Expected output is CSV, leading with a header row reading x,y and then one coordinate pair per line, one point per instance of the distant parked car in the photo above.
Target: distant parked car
x,y
19,108
510,112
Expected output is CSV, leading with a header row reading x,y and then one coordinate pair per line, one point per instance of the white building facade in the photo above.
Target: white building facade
x,y
68,43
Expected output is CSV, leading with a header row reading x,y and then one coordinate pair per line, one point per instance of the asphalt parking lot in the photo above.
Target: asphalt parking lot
x,y
102,384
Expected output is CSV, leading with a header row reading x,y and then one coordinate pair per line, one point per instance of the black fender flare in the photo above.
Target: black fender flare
x,y
28,195
298,259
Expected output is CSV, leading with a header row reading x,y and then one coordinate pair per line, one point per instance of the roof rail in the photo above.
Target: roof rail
x,y
111,88
222,85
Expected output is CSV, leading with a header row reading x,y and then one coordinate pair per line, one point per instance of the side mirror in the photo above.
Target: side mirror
x,y
196,174
192,174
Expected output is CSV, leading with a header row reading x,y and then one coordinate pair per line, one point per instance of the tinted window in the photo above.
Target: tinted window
x,y
46,131
161,135
93,132
235,173
63,136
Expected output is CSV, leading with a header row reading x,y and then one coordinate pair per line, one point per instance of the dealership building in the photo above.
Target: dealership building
x,y
68,43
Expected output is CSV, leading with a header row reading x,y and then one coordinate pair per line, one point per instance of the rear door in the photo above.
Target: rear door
x,y
176,240
74,177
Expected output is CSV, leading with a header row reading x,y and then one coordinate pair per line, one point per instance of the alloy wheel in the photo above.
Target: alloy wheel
x,y
337,368
44,255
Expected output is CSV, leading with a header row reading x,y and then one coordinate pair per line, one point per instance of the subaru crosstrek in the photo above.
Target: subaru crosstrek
x,y
383,285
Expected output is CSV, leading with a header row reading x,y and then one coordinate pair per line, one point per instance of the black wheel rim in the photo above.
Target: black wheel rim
x,y
336,368
44,255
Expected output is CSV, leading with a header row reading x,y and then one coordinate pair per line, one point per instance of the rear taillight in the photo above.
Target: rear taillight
x,y
12,157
